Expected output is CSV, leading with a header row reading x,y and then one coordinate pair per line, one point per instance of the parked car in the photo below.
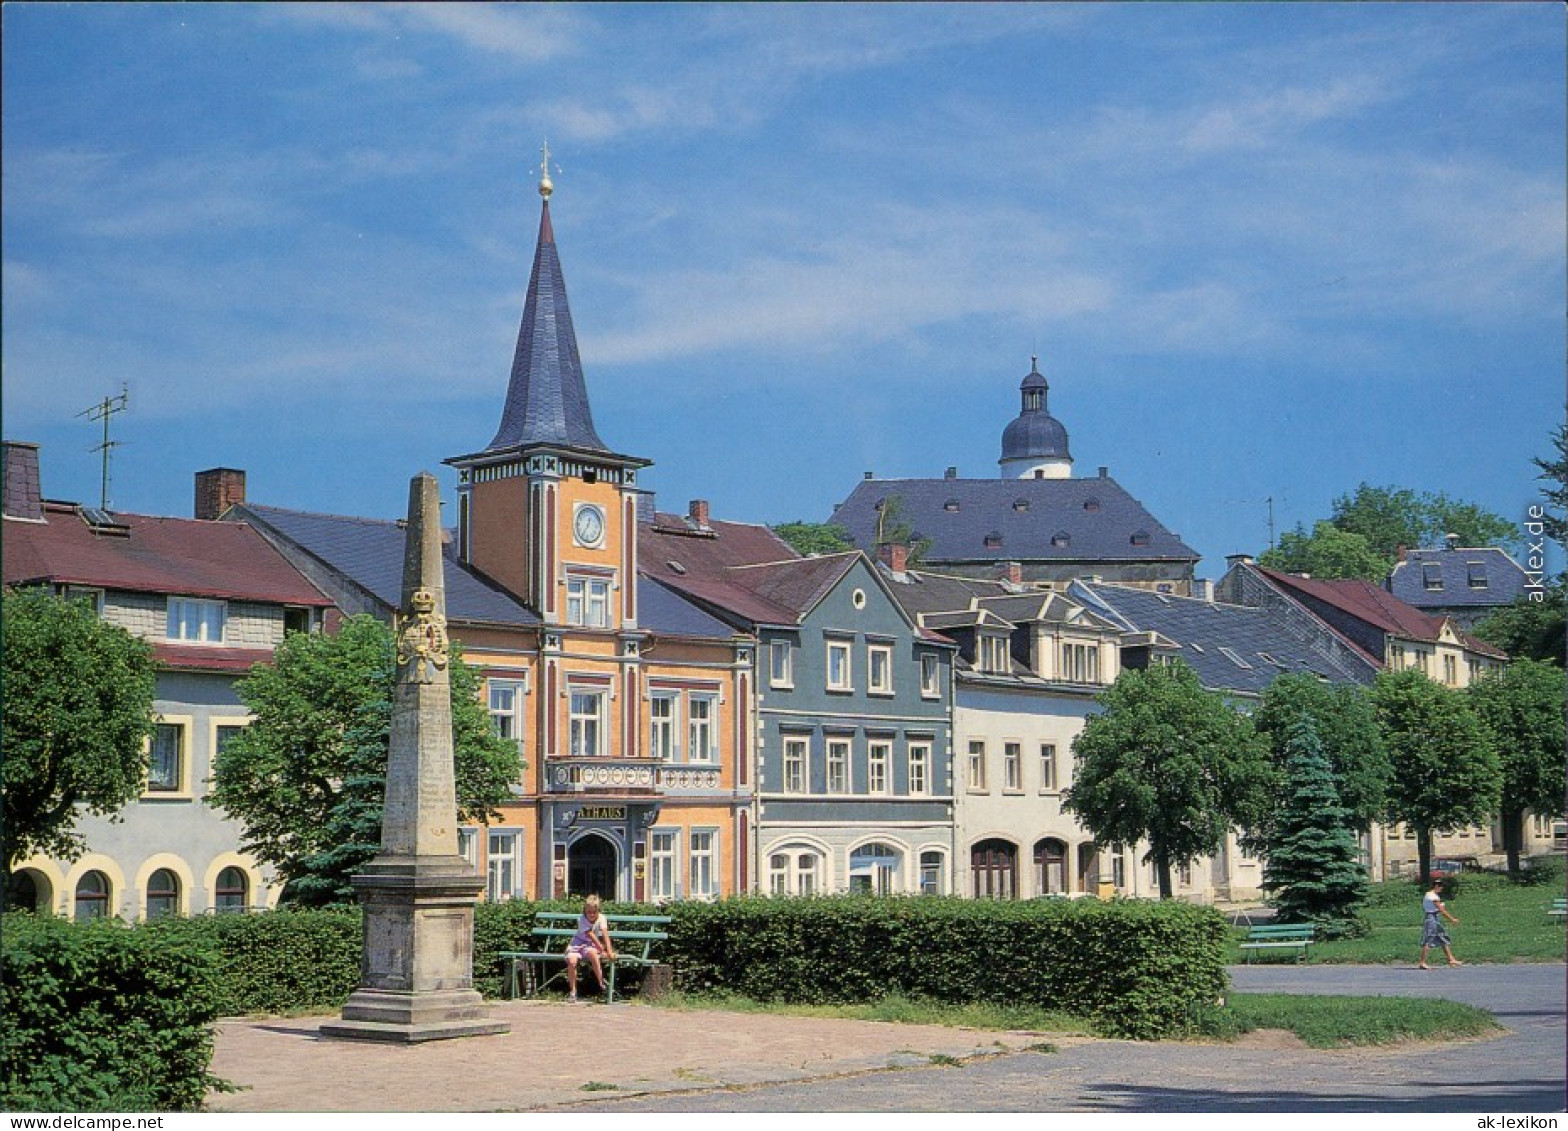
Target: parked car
x,y
1447,866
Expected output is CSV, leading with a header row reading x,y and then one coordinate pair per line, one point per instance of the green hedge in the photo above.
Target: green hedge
x,y
99,1017
1137,968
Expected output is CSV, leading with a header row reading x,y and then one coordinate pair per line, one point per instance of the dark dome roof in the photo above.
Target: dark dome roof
x,y
1035,435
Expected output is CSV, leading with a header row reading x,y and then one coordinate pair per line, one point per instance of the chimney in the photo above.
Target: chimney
x,y
218,489
1203,589
24,497
1234,560
1402,552
698,513
952,473
1013,572
1104,471
894,555
871,475
1452,540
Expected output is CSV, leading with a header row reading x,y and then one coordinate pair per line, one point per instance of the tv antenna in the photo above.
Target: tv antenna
x,y
105,410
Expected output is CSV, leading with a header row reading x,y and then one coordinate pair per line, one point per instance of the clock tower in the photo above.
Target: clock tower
x,y
547,510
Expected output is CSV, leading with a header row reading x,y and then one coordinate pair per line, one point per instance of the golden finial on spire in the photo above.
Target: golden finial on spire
x,y
546,187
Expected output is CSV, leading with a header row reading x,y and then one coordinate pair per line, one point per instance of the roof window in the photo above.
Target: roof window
x,y
1020,505
1432,576
1477,574
1091,505
1061,539
675,567
1235,659
1140,537
993,540
950,505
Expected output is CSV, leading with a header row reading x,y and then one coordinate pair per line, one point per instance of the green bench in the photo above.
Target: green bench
x,y
633,936
1284,936
1559,910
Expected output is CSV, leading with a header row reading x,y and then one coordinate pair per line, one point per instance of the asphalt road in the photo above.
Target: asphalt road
x,y
1520,1072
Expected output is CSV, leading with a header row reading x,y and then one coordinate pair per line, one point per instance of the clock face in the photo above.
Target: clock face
x,y
589,525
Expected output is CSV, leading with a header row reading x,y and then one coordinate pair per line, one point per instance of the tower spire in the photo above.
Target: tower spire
x,y
547,398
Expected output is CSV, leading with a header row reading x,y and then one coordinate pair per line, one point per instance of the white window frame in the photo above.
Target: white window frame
x,y
190,620
664,729
781,664
930,676
585,723
664,864
506,701
993,652
879,766
794,870
1012,767
704,866
1048,767
977,767
841,663
796,764
503,865
879,682
468,844
702,728
918,769
179,729
933,871
588,600
1080,662
880,878
840,759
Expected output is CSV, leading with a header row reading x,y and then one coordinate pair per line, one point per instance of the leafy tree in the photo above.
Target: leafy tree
x,y
1312,863
1446,772
1166,762
893,529
1555,473
1522,707
78,711
807,538
1328,552
307,777
1388,517
1344,723
1531,629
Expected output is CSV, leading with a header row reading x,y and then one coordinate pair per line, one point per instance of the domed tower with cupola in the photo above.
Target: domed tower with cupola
x,y
1034,444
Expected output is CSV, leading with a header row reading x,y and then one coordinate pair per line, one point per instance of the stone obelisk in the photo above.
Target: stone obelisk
x,y
418,895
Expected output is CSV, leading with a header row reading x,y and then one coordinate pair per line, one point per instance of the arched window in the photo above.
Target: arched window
x,y
163,894
232,895
1050,866
92,896
875,868
993,866
795,870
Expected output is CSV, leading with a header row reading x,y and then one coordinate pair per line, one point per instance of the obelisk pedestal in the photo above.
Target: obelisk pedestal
x,y
418,894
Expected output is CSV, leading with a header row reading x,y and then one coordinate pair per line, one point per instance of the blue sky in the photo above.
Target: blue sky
x,y
1262,250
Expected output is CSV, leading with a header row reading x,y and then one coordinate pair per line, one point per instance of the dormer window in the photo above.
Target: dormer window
x,y
1061,540
993,540
1477,572
991,654
195,620
1020,505
1432,576
1140,537
951,505
1091,505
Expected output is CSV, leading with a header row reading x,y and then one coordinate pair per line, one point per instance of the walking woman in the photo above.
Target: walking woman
x,y
1433,912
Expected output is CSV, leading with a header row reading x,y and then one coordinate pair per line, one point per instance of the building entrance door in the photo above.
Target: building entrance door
x,y
591,867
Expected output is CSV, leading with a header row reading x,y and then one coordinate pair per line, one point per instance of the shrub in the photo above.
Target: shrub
x,y
277,961
101,1017
1136,968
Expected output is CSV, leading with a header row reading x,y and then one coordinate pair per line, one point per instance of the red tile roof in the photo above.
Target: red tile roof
x,y
185,556
193,657
1377,607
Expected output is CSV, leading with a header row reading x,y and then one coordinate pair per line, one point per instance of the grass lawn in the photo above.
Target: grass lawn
x,y
1499,922
1320,1021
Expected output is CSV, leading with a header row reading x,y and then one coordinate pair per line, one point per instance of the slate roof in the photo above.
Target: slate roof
x,y
547,398
919,591
1447,578
1061,520
1375,606
182,556
1261,644
369,552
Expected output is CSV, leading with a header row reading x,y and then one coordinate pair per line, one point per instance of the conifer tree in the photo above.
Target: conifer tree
x,y
1312,867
